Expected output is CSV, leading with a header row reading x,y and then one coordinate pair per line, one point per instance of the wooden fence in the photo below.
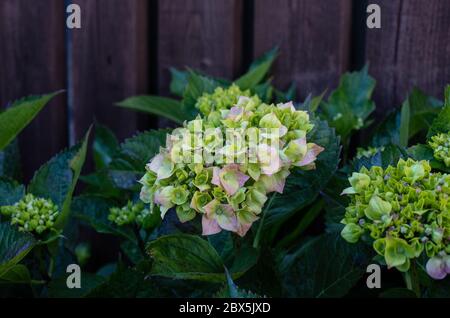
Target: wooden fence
x,y
125,47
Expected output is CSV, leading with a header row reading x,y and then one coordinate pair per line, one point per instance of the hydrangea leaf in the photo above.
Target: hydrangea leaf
x,y
258,70
58,287
157,105
326,266
441,124
186,257
94,211
57,179
350,104
136,152
178,82
10,191
105,146
14,246
389,155
197,85
19,115
10,161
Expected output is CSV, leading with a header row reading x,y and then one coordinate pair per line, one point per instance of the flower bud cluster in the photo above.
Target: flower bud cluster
x,y
404,211
440,144
129,214
32,214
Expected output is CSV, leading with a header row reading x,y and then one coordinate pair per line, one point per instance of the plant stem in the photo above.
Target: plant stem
x,y
412,280
140,242
261,223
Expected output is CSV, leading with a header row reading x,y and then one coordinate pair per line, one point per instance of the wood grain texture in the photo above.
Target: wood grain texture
x,y
313,37
412,48
109,63
203,35
32,61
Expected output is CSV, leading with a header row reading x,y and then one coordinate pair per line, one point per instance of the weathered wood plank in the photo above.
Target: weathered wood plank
x,y
412,48
109,63
203,35
32,61
314,41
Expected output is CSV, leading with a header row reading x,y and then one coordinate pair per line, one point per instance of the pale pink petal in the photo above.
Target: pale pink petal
x,y
436,268
311,156
274,183
210,207
215,178
243,229
209,226
235,112
156,163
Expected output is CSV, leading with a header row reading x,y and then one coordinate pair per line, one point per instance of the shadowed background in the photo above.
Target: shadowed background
x,y
126,48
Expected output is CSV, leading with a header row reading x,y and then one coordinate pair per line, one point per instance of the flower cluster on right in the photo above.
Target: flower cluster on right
x,y
440,144
403,211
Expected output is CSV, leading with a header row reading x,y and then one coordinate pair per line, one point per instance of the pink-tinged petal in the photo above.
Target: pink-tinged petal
x,y
243,229
436,268
283,131
209,226
227,220
235,112
156,163
275,182
311,156
215,178
269,159
210,208
446,260
231,178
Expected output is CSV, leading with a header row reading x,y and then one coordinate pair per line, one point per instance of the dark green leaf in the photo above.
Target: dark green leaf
x,y
349,106
197,86
10,161
327,266
404,125
58,287
389,156
442,122
17,274
58,177
157,105
424,152
137,151
258,70
105,146
94,211
178,82
19,115
14,246
186,257
10,191
424,110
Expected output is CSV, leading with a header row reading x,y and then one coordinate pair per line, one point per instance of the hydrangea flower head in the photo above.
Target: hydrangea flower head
x,y
440,144
32,214
224,165
404,211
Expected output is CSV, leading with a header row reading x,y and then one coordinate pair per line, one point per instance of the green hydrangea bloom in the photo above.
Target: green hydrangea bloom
x,y
199,173
441,146
222,99
404,211
32,214
129,214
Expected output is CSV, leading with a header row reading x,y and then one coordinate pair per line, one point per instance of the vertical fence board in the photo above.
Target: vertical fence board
x,y
412,48
32,62
109,63
204,35
313,37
